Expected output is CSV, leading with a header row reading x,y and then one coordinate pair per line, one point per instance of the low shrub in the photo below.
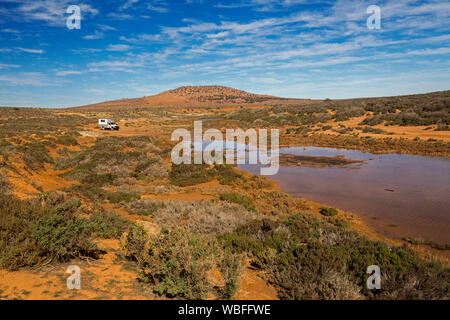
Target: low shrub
x,y
53,198
275,203
89,191
176,264
5,186
241,199
205,217
99,179
310,258
17,220
135,245
117,197
231,268
61,239
35,155
328,211
183,175
373,130
227,176
69,207
145,207
67,140
108,225
31,234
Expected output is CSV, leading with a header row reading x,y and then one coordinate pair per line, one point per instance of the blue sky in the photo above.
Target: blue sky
x,y
291,48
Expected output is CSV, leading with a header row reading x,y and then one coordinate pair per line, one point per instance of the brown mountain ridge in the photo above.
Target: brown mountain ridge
x,y
193,96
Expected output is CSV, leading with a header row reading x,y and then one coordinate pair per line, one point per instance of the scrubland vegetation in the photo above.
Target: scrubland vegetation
x,y
48,228
201,247
307,122
414,110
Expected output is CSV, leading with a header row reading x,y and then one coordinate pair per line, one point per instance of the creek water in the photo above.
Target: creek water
x,y
398,195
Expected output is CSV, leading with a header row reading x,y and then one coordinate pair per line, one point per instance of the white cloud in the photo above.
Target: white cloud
x,y
96,35
5,65
119,16
35,79
114,65
8,30
52,12
118,47
38,51
142,38
68,73
105,27
128,4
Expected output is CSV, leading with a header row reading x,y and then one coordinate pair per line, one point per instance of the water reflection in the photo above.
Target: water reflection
x,y
399,195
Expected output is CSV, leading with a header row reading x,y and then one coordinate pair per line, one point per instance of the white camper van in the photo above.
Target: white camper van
x,y
107,124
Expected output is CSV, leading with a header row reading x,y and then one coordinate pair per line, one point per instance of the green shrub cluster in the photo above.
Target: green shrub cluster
x,y
89,191
67,140
99,179
191,174
307,258
241,199
227,176
145,207
35,155
112,161
175,263
32,233
60,238
117,197
5,186
183,175
231,268
425,109
328,211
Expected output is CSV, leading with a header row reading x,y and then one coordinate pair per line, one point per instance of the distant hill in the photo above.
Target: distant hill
x,y
190,96
220,96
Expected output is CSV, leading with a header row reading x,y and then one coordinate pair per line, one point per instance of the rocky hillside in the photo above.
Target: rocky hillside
x,y
191,96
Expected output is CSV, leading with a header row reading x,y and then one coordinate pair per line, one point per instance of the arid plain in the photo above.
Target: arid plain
x,y
139,227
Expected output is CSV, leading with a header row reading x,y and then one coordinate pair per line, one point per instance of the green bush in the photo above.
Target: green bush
x,y
17,220
60,238
231,267
310,258
176,264
117,197
136,244
373,130
67,140
69,207
99,179
241,199
108,225
5,186
89,191
183,175
31,234
227,176
35,155
146,210
328,211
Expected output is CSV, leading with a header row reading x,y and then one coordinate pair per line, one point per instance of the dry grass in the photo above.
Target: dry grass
x,y
5,186
203,216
